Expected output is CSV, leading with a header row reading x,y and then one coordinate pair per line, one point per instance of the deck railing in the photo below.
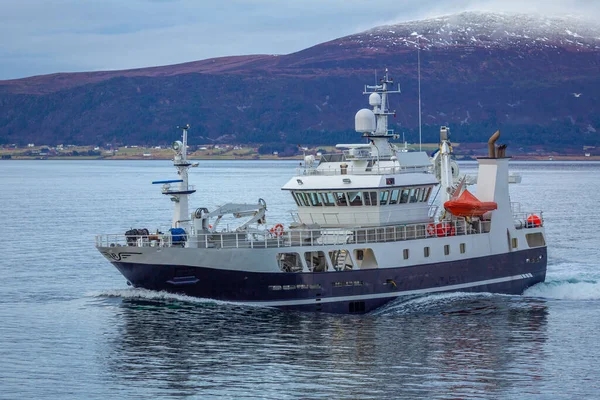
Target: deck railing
x,y
526,219
168,189
314,237
318,237
375,170
530,219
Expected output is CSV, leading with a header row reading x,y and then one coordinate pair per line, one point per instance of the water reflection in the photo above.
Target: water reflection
x,y
439,347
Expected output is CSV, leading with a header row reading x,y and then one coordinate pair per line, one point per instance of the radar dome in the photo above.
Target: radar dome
x,y
375,99
364,121
309,160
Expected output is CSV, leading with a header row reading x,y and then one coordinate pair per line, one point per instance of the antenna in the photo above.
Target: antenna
x,y
419,78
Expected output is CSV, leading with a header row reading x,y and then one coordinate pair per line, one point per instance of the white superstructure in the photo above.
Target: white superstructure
x,y
370,184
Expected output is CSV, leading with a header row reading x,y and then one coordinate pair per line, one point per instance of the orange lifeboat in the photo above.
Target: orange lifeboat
x,y
468,205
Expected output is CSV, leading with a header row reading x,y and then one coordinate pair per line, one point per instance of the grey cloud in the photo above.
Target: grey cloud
x,y
39,37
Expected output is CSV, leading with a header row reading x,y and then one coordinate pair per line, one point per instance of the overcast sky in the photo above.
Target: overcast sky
x,y
47,36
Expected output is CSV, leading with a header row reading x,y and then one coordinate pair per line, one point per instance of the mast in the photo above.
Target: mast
x,y
419,78
180,193
446,180
378,99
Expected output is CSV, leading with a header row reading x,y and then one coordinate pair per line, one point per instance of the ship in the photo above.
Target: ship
x,y
373,223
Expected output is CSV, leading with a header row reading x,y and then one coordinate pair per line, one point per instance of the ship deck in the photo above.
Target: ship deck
x,y
317,237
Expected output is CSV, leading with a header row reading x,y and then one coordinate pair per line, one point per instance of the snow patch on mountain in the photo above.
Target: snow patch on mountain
x,y
572,33
485,30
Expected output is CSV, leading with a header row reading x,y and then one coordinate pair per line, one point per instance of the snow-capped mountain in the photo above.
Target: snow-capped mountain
x,y
486,30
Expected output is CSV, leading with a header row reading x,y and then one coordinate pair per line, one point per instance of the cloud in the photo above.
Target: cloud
x,y
39,37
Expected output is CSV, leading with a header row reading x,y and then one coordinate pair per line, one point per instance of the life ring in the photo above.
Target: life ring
x,y
431,230
445,229
277,230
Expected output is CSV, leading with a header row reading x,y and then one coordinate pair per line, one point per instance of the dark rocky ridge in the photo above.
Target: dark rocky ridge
x,y
537,78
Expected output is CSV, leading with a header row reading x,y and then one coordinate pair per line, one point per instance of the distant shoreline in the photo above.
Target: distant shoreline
x,y
247,152
272,158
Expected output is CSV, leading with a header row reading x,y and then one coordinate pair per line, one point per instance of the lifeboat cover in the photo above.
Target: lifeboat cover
x,y
468,205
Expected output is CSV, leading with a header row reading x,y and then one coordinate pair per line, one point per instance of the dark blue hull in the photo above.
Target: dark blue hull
x,y
355,291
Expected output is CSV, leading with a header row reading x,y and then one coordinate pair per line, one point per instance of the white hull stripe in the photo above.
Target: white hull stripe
x,y
389,295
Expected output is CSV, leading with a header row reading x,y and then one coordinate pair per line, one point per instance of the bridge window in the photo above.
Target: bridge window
x,y
394,196
328,199
414,194
340,199
383,197
404,196
299,197
370,198
426,198
305,199
315,200
296,199
422,193
355,198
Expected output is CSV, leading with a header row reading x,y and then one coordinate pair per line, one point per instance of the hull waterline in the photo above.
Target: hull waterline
x,y
357,291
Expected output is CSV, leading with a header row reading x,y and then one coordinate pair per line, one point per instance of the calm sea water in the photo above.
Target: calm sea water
x,y
70,328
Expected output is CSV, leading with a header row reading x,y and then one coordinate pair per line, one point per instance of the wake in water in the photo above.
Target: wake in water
x,y
566,289
485,303
435,304
136,296
455,303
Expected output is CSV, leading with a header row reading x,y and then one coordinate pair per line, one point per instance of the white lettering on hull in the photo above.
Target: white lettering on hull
x,y
390,295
